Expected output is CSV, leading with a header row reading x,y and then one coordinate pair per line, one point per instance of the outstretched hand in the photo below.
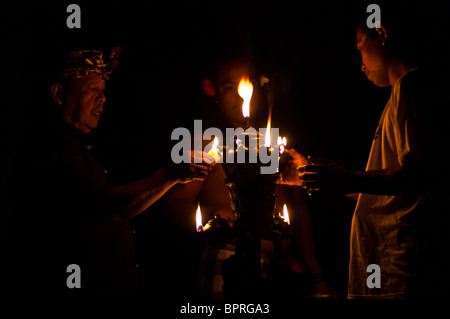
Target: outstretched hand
x,y
316,175
325,176
200,165
290,161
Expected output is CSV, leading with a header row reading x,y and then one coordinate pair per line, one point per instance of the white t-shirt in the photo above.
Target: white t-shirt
x,y
395,232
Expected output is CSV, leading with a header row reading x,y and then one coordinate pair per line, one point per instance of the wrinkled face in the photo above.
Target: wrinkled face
x,y
84,102
228,98
374,60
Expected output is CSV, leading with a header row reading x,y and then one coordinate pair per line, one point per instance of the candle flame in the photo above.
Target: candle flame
x,y
198,219
267,135
281,143
245,91
286,214
214,151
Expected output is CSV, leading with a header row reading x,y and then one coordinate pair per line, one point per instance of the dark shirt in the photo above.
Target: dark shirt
x,y
61,219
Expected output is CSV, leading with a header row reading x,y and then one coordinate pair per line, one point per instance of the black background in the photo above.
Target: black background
x,y
328,109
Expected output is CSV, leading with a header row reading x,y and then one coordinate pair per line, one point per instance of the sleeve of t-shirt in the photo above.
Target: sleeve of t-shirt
x,y
422,125
407,125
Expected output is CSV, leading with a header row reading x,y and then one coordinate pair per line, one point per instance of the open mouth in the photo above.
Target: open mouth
x,y
98,114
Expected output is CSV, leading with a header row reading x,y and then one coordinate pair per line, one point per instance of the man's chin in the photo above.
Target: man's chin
x,y
380,84
377,82
92,126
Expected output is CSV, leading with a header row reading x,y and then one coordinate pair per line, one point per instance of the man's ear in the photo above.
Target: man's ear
x,y
382,35
57,93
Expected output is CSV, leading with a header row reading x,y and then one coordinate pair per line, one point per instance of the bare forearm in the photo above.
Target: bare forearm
x,y
304,239
126,201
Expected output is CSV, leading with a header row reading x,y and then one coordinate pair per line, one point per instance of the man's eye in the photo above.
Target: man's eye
x,y
229,87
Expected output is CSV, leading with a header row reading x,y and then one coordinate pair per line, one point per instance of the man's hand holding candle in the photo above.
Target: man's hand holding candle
x,y
187,172
326,176
290,161
316,174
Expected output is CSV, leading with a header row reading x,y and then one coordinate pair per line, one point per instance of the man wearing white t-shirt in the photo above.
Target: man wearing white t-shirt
x,y
399,245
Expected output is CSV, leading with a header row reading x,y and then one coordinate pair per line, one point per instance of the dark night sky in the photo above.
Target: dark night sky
x,y
329,110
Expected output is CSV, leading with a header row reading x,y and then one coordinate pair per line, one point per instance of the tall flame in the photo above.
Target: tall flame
x,y
267,135
286,214
198,219
245,91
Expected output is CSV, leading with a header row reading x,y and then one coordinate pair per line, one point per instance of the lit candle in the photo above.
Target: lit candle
x,y
281,143
286,214
245,90
214,151
267,141
198,218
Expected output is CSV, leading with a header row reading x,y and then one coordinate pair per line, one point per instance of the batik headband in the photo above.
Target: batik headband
x,y
88,62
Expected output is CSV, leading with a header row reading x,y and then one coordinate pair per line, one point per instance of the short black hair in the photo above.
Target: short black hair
x,y
408,26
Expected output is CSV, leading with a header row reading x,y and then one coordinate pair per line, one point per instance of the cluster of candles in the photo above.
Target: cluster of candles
x,y
245,90
199,221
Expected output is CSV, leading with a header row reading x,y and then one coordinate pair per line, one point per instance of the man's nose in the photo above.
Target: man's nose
x,y
101,97
363,67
